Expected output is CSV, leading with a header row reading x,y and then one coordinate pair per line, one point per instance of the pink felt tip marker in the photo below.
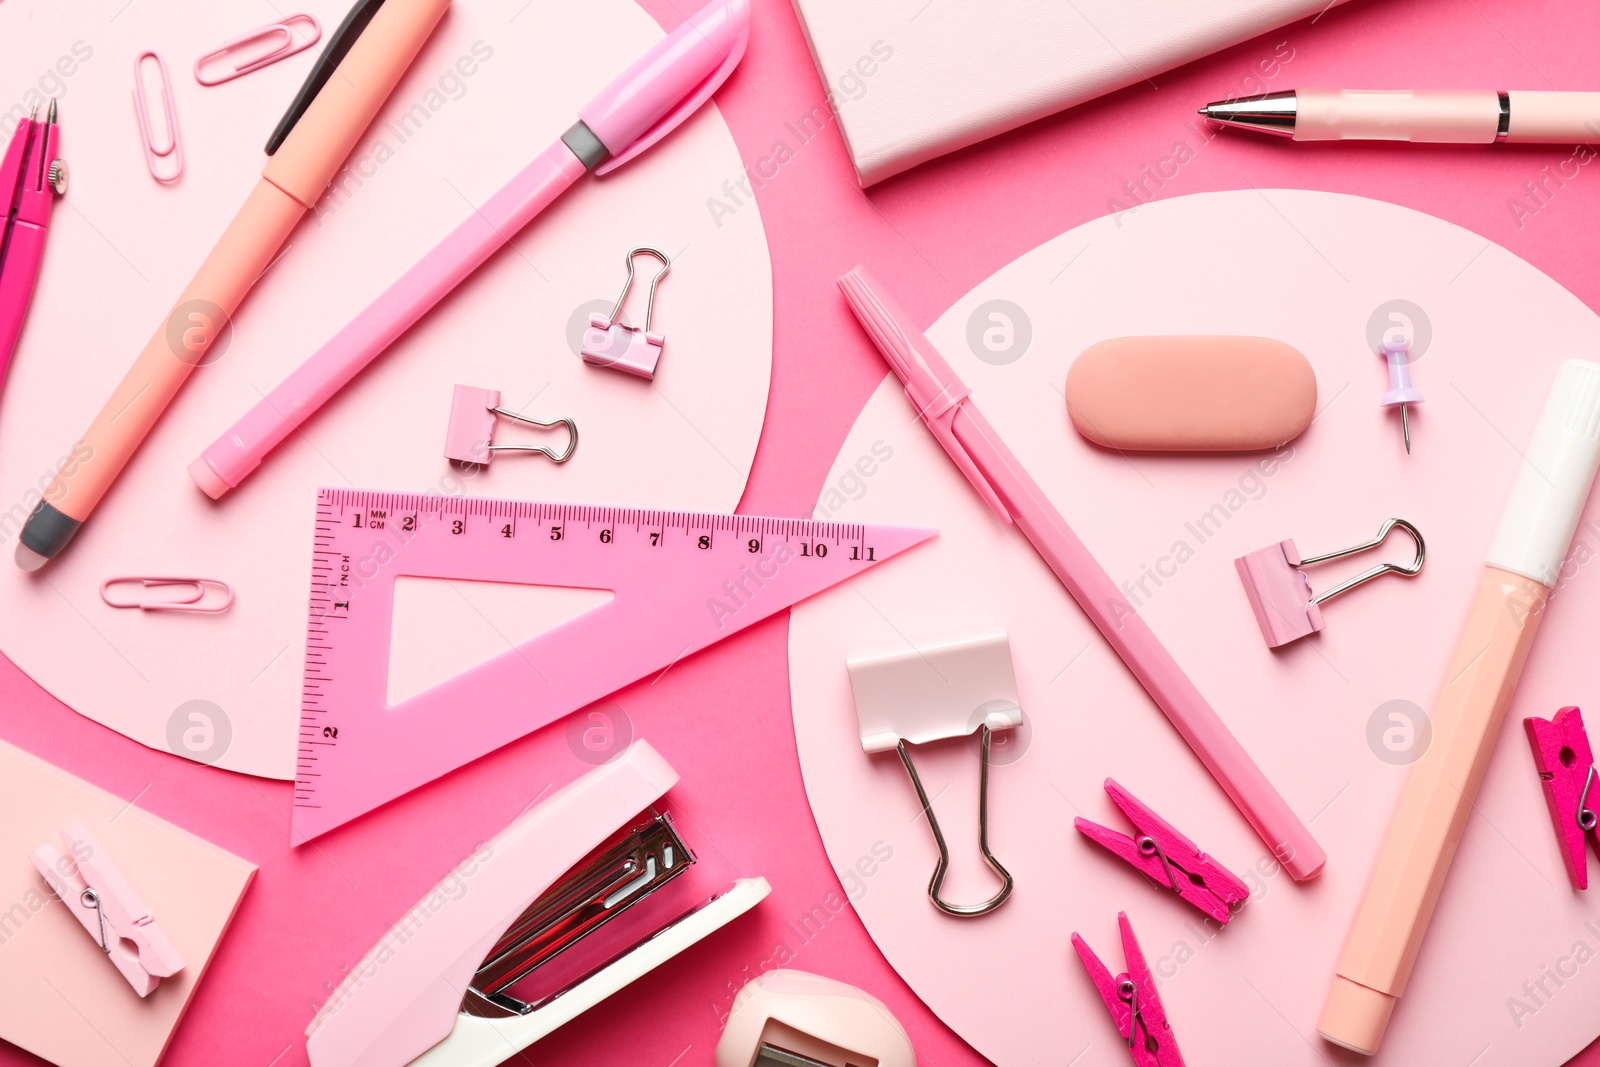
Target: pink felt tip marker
x,y
945,405
651,98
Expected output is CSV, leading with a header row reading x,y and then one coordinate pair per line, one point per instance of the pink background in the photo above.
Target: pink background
x,y
722,717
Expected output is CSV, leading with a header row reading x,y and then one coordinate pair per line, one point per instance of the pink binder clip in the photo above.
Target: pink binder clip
x,y
170,148
1280,592
172,594
1167,858
287,46
1566,765
1133,1002
610,343
90,886
472,414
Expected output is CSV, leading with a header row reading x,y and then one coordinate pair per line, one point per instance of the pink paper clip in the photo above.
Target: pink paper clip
x,y
86,881
287,48
472,415
172,148
1566,765
1132,999
1167,858
1280,592
190,599
610,343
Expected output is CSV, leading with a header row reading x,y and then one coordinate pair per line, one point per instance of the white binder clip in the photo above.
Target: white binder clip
x,y
94,891
610,343
930,694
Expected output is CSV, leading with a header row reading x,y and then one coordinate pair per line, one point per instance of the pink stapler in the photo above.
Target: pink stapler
x,y
787,1018
554,914
1566,765
1280,593
1167,858
31,177
89,884
610,342
1133,1002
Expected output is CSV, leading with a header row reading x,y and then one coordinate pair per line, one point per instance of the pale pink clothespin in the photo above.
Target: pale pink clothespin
x,y
1167,858
472,414
287,46
1280,593
1566,765
609,342
86,881
1133,1002
181,594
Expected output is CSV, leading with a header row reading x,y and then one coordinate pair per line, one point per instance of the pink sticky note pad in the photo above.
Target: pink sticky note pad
x,y
63,999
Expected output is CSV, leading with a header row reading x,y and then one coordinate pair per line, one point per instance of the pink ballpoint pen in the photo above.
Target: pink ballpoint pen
x,y
651,98
945,405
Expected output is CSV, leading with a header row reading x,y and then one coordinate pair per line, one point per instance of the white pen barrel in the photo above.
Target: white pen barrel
x,y
1450,116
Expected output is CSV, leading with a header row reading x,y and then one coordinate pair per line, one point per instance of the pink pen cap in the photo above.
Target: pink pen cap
x,y
669,82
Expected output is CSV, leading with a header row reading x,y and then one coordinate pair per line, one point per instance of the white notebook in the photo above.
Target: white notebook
x,y
913,79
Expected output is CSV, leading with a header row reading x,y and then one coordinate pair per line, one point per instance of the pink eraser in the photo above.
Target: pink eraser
x,y
1191,394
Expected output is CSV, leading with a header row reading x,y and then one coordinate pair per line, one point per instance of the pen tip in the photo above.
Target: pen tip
x,y
50,117
1206,111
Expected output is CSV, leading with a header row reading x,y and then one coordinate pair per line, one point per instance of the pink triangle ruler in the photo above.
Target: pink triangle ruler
x,y
680,582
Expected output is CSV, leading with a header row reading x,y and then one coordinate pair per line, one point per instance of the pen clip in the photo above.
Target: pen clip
x,y
343,39
686,107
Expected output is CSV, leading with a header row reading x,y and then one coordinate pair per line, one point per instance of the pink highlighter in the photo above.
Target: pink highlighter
x,y
650,99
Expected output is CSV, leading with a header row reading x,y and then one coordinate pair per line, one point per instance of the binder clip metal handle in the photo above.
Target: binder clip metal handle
x,y
936,883
931,694
471,428
610,343
1280,593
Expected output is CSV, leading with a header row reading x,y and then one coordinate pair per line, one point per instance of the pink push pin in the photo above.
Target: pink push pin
x,y
1401,393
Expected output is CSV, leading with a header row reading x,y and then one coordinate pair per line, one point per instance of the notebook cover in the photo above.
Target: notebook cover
x,y
63,1000
913,79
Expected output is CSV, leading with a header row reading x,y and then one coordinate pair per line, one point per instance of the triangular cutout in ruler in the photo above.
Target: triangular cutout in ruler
x,y
682,582
444,626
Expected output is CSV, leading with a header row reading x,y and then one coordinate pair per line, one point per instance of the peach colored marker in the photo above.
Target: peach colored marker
x,y
1524,561
327,118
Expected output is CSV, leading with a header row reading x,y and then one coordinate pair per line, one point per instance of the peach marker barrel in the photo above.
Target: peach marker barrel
x,y
1521,569
289,186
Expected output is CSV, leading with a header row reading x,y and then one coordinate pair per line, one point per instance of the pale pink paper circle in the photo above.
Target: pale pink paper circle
x,y
1308,268
493,87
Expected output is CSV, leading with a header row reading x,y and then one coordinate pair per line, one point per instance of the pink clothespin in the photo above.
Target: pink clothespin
x,y
472,415
1566,764
1280,592
610,343
1133,1002
94,891
1167,858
